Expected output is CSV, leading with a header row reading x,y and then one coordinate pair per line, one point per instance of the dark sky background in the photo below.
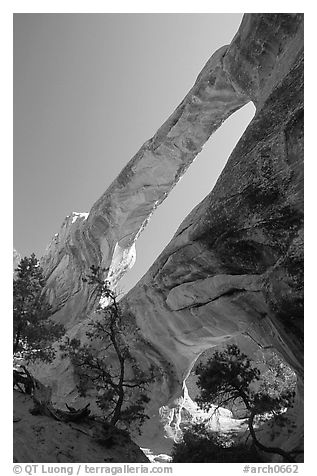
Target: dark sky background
x,y
89,90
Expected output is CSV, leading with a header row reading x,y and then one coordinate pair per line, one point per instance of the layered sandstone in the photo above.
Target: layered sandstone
x,y
106,236
235,263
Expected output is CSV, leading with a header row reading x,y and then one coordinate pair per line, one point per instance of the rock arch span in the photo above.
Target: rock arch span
x,y
235,263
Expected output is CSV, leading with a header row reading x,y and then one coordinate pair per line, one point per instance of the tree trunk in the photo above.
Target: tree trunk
x,y
268,449
17,341
117,412
42,395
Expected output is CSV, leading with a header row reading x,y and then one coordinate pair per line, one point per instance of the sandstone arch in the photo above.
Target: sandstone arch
x,y
235,263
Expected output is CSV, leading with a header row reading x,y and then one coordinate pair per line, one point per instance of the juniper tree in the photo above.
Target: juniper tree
x,y
109,367
33,329
230,376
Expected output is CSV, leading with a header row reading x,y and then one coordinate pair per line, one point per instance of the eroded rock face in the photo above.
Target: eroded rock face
x,y
106,236
235,263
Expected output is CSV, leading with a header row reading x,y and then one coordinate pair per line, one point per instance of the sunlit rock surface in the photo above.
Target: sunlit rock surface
x,y
235,263
106,235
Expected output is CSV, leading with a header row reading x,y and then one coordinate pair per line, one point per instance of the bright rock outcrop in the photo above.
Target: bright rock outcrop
x,y
235,263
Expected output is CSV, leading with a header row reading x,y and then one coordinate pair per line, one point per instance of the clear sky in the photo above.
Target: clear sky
x,y
89,90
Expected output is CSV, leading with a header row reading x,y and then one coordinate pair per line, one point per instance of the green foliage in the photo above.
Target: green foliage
x,y
109,367
276,388
33,330
230,377
225,377
275,391
200,445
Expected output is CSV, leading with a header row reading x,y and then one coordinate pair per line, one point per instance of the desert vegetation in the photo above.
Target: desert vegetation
x,y
229,378
109,369
106,370
33,329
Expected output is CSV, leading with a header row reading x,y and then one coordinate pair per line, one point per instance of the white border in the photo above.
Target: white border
x,y
134,6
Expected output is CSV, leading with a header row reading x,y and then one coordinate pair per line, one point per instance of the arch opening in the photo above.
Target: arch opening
x,y
193,187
